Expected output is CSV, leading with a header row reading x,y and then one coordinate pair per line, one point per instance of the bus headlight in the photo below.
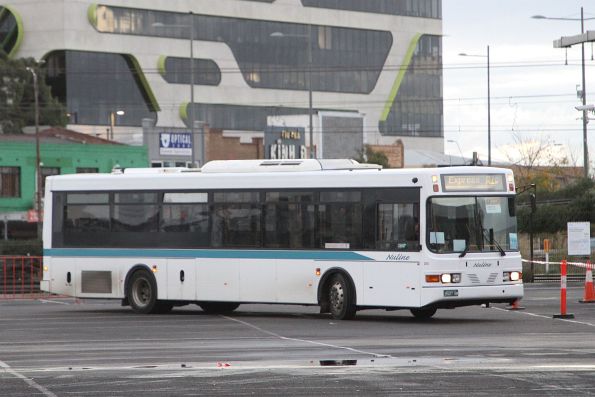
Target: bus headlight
x,y
450,278
513,276
444,278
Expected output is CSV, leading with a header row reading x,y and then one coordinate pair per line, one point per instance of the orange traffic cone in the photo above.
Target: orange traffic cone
x,y
589,295
516,305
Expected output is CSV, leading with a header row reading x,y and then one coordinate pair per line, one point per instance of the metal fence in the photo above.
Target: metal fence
x,y
558,250
20,276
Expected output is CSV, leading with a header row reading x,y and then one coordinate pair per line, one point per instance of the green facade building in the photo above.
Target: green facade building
x,y
61,152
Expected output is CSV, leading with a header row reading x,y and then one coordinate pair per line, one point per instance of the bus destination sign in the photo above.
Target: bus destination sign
x,y
473,182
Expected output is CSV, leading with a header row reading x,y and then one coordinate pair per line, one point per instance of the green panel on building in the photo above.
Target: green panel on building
x,y
18,157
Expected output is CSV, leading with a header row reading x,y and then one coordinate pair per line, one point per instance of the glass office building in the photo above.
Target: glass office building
x,y
246,59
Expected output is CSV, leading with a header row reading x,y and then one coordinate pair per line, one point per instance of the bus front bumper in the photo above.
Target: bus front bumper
x,y
455,296
44,285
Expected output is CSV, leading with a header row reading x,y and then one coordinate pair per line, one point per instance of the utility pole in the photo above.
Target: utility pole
x,y
38,192
567,42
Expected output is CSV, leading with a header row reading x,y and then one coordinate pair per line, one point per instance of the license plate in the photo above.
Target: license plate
x,y
451,292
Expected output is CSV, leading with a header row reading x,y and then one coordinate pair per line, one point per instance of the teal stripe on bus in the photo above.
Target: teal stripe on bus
x,y
214,254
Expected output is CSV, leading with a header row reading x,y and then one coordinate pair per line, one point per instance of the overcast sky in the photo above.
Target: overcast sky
x,y
533,94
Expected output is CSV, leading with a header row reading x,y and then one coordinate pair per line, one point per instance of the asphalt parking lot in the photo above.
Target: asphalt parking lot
x,y
61,347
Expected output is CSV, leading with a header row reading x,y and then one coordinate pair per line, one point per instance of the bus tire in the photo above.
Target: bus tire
x,y
423,314
218,307
340,298
142,292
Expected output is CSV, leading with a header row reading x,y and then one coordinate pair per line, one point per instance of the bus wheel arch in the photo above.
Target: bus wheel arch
x,y
337,294
140,291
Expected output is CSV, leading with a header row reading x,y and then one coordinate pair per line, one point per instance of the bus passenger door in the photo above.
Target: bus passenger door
x,y
181,279
392,284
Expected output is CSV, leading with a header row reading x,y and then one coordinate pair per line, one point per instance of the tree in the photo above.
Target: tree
x,y
574,203
538,161
373,157
17,100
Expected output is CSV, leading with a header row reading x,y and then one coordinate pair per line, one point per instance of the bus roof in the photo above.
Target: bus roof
x,y
257,174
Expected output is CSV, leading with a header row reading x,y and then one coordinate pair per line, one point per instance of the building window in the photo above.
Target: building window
x,y
417,110
416,8
177,71
11,31
93,85
10,178
87,170
269,54
45,172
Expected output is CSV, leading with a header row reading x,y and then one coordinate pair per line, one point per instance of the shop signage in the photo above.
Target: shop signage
x,y
285,143
175,144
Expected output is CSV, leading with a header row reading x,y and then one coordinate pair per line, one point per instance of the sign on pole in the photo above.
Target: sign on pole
x,y
579,238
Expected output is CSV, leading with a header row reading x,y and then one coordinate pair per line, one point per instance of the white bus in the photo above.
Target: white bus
x,y
334,233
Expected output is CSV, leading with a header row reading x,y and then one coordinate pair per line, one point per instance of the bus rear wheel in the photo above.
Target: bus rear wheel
x,y
142,294
423,314
218,307
340,298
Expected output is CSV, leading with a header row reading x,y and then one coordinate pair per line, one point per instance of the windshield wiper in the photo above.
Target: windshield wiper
x,y
464,252
487,238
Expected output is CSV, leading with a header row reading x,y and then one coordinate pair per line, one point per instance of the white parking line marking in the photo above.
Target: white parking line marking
x,y
28,381
51,301
377,355
550,318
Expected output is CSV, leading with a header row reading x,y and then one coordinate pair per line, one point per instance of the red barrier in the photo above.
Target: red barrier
x,y
20,277
563,272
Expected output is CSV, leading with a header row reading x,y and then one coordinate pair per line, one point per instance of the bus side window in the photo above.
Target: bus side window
x,y
340,219
398,227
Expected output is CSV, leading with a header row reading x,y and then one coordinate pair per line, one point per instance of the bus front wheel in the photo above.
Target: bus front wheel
x,y
340,298
142,294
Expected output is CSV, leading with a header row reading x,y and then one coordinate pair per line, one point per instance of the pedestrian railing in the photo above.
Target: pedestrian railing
x,y
20,277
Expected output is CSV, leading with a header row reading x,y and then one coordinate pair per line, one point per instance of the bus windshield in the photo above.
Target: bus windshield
x,y
472,224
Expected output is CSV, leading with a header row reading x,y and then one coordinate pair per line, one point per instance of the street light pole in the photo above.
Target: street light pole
x,y
192,132
37,154
489,102
457,143
112,122
191,114
308,38
566,42
489,114
309,45
585,116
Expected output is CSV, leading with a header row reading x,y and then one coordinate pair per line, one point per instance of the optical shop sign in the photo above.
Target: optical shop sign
x,y
579,238
175,143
